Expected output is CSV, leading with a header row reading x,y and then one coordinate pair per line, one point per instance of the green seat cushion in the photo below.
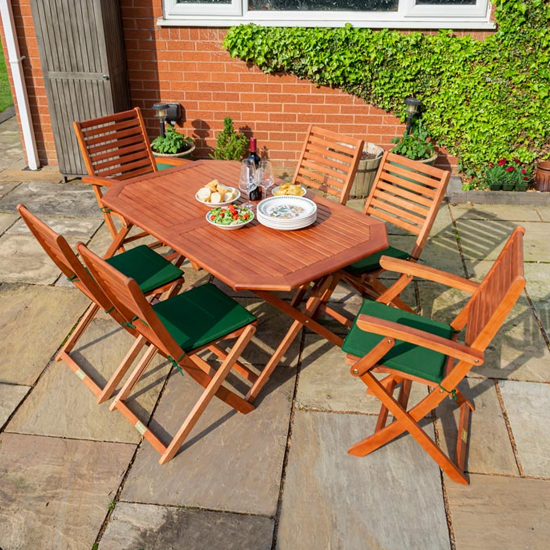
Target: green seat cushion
x,y
372,262
404,357
201,315
149,269
162,166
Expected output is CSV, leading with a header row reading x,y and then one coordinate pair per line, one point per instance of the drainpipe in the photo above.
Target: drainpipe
x,y
15,61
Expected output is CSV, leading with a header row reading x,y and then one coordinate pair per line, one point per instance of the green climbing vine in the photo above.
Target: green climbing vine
x,y
484,99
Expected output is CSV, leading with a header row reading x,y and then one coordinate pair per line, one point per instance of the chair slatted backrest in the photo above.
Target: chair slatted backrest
x,y
407,194
130,302
496,295
116,146
329,162
60,252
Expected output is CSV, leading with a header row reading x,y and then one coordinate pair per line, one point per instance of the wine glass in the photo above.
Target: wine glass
x,y
266,177
247,180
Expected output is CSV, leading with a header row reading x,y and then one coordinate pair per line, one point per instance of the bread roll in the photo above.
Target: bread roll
x,y
213,185
215,198
204,194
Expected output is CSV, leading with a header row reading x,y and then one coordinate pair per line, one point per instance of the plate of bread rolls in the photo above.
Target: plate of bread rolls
x,y
216,194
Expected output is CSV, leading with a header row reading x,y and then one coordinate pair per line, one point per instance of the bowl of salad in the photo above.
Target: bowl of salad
x,y
230,217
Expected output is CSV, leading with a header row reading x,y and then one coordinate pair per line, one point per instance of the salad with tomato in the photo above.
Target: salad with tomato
x,y
230,215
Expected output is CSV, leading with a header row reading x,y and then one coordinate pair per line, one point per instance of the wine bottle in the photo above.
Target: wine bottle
x,y
256,192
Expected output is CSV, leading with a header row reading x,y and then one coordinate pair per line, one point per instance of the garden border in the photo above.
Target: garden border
x,y
455,194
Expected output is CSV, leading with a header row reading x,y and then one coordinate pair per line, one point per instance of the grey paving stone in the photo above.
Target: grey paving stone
x,y
230,462
160,528
538,287
518,351
489,450
61,405
496,212
483,240
443,224
497,513
23,260
442,253
527,407
10,397
56,492
544,212
34,322
6,187
391,499
56,199
76,228
326,383
6,220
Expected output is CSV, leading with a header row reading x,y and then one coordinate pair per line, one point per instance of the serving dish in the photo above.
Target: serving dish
x,y
236,193
230,227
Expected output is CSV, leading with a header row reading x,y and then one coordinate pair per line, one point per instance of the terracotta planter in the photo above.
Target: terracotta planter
x,y
366,171
183,154
542,176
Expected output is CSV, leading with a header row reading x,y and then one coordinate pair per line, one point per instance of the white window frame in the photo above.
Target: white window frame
x,y
409,15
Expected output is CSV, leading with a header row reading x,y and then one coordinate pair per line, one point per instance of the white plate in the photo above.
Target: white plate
x,y
298,208
298,225
304,191
228,227
214,204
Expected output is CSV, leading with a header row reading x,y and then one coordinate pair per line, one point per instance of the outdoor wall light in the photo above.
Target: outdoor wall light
x,y
161,110
413,105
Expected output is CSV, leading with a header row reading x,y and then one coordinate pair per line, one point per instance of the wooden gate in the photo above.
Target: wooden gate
x,y
81,50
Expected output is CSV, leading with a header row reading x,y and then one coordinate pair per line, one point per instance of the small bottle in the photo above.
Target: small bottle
x,y
255,193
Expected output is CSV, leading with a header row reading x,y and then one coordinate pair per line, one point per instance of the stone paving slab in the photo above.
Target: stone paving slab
x,y
498,513
61,199
34,322
56,492
517,352
74,228
6,220
6,187
23,260
527,407
61,405
10,397
149,527
326,384
391,499
489,450
483,240
231,462
496,212
544,212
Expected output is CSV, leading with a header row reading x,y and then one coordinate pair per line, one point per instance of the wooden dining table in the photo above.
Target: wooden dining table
x,y
256,258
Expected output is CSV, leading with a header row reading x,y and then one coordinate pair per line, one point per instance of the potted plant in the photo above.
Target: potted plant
x,y
508,175
415,145
366,171
230,145
172,144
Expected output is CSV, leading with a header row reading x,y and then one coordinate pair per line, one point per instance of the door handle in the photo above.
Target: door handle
x,y
105,77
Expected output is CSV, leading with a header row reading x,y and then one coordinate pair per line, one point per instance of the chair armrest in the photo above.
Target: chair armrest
x,y
429,273
98,180
420,338
172,162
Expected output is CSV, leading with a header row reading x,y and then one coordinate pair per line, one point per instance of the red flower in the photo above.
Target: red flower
x,y
509,169
491,165
524,171
526,178
502,162
517,161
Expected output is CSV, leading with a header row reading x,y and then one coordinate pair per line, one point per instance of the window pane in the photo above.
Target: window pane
x,y
323,5
446,2
203,1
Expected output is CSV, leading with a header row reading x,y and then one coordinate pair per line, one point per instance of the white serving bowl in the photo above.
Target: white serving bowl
x,y
229,227
213,204
304,191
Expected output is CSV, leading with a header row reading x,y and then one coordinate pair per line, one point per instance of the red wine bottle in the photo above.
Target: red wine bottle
x,y
256,193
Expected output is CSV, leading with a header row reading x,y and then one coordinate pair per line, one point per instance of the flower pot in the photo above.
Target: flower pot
x,y
508,187
366,171
521,187
542,176
183,154
495,186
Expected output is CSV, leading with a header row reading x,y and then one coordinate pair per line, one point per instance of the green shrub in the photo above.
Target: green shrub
x,y
416,145
230,145
173,142
484,99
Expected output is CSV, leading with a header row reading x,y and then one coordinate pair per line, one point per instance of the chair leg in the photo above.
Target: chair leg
x,y
208,394
406,421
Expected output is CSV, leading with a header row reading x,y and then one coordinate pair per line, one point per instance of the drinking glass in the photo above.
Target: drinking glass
x,y
266,178
247,181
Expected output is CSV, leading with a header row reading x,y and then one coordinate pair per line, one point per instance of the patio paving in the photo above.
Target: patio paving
x,y
76,476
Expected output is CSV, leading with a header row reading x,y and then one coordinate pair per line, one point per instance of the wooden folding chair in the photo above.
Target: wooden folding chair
x,y
154,274
408,348
116,148
329,162
407,194
179,328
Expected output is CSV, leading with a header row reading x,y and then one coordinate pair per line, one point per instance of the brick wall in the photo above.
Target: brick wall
x,y
189,66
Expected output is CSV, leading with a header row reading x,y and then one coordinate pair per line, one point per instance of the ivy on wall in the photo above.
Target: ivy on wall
x,y
484,99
